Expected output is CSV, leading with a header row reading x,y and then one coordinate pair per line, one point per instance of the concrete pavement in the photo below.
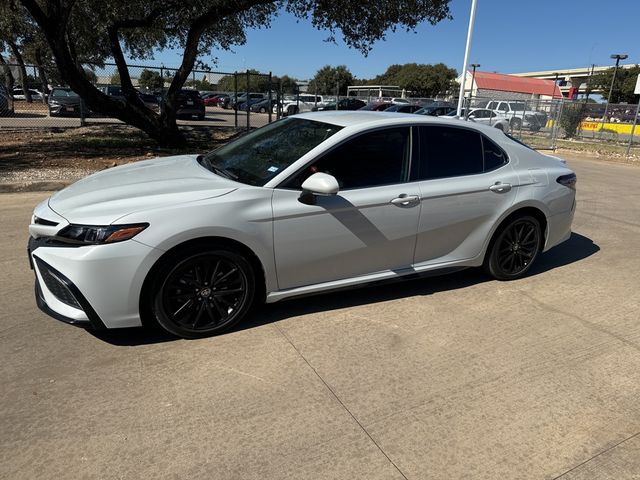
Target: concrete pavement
x,y
449,377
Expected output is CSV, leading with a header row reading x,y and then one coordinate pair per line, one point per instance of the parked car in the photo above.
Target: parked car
x,y
404,108
304,205
302,103
65,102
5,105
435,110
485,117
263,106
246,106
377,106
518,115
151,101
235,102
18,94
215,99
343,104
190,104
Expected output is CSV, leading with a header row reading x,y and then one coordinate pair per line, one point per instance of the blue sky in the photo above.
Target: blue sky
x,y
509,36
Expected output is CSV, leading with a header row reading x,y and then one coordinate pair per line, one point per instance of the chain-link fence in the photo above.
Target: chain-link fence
x,y
233,99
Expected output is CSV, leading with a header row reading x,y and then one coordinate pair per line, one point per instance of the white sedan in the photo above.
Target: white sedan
x,y
307,204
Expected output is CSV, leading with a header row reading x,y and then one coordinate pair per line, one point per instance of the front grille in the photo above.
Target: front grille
x,y
57,285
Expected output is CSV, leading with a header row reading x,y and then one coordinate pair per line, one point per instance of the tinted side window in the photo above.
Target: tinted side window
x,y
494,156
371,159
449,152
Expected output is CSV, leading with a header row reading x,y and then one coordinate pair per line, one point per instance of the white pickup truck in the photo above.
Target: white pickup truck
x,y
518,115
305,103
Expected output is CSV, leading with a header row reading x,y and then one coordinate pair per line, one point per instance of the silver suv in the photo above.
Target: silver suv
x,y
518,115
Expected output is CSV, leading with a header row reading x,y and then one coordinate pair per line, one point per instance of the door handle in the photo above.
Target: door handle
x,y
405,200
500,187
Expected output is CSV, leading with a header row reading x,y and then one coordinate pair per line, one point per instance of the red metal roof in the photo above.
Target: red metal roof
x,y
510,83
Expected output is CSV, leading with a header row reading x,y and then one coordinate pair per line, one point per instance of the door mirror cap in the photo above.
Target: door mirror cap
x,y
321,184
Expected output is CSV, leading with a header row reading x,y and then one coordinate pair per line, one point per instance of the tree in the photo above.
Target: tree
x,y
623,86
572,115
328,79
200,84
150,80
115,79
257,82
287,84
422,80
136,28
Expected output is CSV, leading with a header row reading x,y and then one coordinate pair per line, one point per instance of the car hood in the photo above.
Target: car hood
x,y
104,197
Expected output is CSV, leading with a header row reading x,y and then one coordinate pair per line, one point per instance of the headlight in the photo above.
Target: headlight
x,y
96,235
54,103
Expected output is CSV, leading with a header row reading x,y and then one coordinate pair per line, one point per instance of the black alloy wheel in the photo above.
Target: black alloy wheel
x,y
515,248
203,293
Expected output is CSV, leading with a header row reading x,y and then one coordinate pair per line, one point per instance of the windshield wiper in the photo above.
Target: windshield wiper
x,y
204,161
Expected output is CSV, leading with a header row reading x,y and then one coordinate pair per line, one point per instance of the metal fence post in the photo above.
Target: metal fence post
x,y
633,128
247,103
235,98
270,98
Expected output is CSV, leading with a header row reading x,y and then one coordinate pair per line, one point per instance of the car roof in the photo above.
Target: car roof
x,y
372,119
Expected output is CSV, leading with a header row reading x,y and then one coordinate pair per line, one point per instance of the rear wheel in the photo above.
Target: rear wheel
x,y
514,249
263,110
516,123
202,293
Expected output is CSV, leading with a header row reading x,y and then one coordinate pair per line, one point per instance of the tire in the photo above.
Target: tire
x,y
514,248
201,292
263,110
516,123
500,127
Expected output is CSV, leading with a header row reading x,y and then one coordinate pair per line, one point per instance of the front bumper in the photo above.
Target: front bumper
x,y
91,286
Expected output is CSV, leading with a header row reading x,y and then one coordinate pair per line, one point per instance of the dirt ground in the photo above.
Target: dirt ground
x,y
32,155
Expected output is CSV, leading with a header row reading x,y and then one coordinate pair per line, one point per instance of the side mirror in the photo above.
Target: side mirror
x,y
318,184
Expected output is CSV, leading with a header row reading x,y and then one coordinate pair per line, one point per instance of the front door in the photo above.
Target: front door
x,y
369,226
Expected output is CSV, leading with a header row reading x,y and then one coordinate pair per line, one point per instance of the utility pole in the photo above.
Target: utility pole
x,y
618,57
472,17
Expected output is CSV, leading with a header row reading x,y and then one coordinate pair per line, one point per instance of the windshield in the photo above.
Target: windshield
x,y
60,92
259,156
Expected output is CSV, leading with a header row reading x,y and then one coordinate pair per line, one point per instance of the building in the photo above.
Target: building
x,y
500,86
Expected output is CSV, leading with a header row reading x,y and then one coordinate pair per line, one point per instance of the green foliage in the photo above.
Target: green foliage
x,y
115,79
623,86
328,78
422,80
150,79
572,115
287,83
256,82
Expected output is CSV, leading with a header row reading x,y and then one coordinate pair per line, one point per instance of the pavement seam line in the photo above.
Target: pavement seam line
x,y
340,401
597,455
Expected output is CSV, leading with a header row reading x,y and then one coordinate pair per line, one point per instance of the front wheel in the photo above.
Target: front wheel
x,y
514,249
198,294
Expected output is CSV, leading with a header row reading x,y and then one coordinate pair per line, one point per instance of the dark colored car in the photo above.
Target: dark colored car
x,y
435,110
151,101
404,108
343,104
65,102
377,106
190,104
245,106
264,106
4,101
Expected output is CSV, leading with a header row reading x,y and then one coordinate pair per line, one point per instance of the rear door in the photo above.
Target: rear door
x,y
466,183
369,226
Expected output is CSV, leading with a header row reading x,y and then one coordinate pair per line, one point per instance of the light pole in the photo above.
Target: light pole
x,y
473,80
618,57
472,17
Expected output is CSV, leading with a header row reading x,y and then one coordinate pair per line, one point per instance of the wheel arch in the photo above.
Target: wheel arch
x,y
533,209
202,242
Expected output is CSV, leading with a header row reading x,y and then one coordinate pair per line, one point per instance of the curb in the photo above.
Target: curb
x,y
22,187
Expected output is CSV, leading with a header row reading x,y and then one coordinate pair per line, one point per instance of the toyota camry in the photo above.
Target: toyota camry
x,y
307,204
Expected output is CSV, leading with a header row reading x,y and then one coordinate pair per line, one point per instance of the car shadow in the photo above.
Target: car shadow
x,y
576,248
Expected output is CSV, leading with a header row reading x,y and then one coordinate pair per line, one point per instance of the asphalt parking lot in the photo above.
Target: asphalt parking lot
x,y
444,378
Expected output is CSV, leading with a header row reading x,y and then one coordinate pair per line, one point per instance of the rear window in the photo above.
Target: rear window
x,y
190,93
